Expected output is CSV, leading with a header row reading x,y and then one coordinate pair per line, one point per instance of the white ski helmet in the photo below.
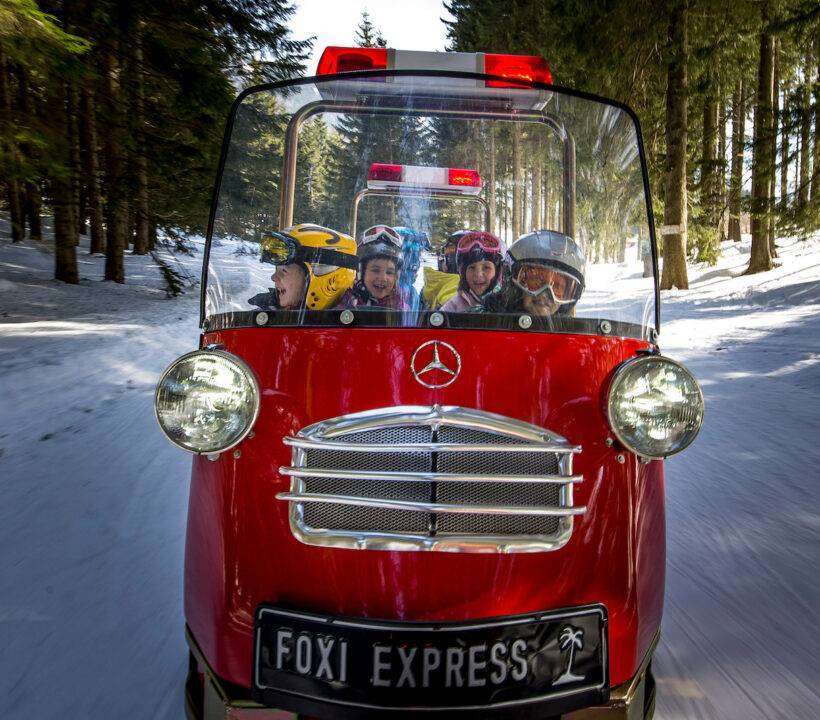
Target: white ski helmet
x,y
554,250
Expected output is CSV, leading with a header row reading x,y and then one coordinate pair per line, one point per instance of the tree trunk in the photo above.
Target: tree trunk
x,y
674,213
805,132
516,188
784,155
65,254
152,233
545,210
708,178
74,159
815,178
92,173
761,258
491,180
14,196
141,239
82,207
116,208
736,176
31,196
721,166
537,168
707,238
33,208
773,148
16,216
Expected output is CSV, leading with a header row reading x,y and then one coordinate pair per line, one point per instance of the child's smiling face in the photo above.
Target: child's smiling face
x,y
480,276
290,282
380,277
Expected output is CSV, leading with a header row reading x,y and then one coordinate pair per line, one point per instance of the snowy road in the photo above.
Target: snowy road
x,y
739,637
92,499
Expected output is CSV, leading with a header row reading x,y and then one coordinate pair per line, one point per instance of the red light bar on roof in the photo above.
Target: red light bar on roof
x,y
383,171
528,68
420,177
519,71
463,178
351,59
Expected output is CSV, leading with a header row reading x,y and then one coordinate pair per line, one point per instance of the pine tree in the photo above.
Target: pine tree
x,y
675,211
761,257
736,177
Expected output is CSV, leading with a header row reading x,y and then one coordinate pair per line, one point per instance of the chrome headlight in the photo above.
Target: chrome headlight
x,y
655,406
207,401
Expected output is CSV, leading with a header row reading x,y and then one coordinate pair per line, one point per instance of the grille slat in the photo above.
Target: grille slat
x,y
431,478
420,476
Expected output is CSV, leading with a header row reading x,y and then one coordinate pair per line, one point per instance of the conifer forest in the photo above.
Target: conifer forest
x,y
113,113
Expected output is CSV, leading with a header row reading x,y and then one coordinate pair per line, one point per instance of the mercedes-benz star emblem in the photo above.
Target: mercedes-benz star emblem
x,y
435,364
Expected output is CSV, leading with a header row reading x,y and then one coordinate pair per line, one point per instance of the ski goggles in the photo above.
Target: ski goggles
x,y
381,233
282,249
535,280
485,241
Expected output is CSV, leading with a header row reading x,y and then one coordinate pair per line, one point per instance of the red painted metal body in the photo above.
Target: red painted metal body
x,y
240,550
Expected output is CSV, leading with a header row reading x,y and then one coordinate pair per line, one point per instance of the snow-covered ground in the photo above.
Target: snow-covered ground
x,y
93,499
739,637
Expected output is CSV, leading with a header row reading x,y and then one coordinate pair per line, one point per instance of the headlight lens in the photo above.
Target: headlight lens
x,y
655,406
207,401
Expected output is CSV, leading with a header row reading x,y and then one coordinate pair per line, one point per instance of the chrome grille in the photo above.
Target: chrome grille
x,y
422,478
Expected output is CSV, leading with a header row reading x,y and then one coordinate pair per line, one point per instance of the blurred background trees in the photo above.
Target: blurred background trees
x,y
727,94
112,114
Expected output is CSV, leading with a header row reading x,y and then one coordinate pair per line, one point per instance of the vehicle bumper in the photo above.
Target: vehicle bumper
x,y
632,700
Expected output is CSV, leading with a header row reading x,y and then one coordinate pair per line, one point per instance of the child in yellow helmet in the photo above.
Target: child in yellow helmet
x,y
314,267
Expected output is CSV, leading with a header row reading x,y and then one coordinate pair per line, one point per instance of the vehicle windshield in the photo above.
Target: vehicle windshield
x,y
416,199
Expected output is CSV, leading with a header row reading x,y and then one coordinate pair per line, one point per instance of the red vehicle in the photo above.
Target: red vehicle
x,y
400,505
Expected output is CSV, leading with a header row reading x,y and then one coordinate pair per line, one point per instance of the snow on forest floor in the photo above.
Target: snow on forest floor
x,y
739,634
93,498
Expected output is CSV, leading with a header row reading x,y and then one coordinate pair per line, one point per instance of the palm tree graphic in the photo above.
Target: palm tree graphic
x,y
570,637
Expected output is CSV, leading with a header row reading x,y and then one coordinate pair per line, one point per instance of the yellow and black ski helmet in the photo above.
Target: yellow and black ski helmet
x,y
328,258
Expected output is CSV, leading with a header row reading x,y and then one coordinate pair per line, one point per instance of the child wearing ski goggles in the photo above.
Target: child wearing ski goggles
x,y
478,260
381,233
535,280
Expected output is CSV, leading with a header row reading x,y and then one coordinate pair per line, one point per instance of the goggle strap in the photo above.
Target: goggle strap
x,y
326,256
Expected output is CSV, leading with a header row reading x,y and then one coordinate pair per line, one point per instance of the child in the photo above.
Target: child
x,y
547,276
380,262
478,259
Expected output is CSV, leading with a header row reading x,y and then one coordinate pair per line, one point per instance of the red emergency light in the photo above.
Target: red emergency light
x,y
463,177
337,59
522,68
527,68
421,177
383,171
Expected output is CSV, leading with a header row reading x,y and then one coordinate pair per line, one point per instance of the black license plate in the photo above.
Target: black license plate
x,y
495,663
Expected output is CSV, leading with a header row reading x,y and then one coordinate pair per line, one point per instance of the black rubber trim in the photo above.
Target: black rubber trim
x,y
421,321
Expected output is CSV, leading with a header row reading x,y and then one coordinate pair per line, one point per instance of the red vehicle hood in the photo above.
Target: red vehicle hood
x,y
241,552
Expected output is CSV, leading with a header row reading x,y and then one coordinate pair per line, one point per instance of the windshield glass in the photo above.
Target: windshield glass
x,y
431,198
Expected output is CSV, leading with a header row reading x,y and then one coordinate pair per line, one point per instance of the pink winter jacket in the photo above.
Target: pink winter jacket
x,y
462,301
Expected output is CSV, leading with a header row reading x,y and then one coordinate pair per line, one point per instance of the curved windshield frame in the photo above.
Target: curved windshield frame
x,y
212,316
